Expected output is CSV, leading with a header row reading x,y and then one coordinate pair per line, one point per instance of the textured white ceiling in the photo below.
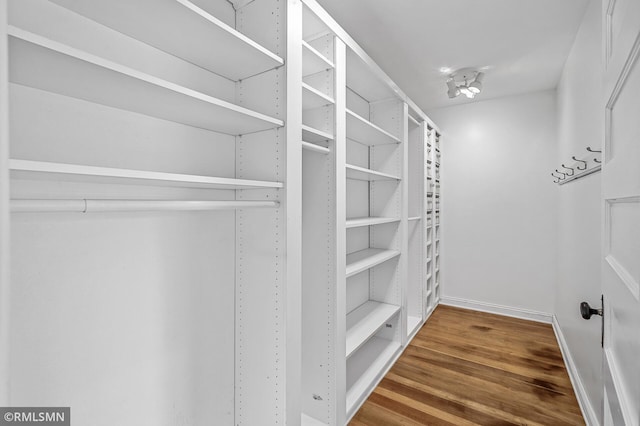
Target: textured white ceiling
x,y
521,44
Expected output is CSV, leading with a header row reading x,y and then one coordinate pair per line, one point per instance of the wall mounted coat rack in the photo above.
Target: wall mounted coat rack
x,y
581,167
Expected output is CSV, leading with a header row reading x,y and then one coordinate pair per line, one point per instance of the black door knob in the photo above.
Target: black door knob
x,y
587,311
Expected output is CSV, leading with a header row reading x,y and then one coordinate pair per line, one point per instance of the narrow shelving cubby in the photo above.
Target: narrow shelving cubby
x,y
375,179
416,233
321,346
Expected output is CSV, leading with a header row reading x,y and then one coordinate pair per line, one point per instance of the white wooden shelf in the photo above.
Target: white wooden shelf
x,y
362,130
412,324
362,260
413,121
26,169
366,366
415,218
315,148
48,65
364,321
361,173
309,134
203,39
313,61
313,98
357,222
110,205
310,421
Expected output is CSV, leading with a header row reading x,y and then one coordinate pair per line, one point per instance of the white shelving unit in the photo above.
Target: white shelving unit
x,y
365,221
202,168
375,153
415,285
432,230
322,349
436,155
162,122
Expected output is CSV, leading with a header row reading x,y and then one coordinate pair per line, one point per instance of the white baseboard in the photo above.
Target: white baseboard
x,y
588,412
492,308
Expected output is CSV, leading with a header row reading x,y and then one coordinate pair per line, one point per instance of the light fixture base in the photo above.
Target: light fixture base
x,y
464,74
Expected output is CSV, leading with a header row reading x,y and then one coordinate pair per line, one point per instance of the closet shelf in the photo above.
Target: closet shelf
x,y
369,221
210,43
415,218
109,205
413,121
360,173
313,98
413,323
366,366
364,321
310,421
26,169
315,148
309,134
313,61
48,65
362,130
362,260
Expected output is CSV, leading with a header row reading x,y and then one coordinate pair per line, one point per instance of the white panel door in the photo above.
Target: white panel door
x,y
621,203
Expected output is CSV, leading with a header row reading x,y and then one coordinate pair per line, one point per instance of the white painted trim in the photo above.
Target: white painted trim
x,y
588,412
630,418
493,308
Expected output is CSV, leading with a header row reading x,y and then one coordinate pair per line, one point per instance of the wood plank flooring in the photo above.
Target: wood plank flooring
x,y
472,368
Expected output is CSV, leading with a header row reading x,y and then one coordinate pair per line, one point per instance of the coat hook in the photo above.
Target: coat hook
x,y
592,150
569,168
558,178
585,163
597,161
564,175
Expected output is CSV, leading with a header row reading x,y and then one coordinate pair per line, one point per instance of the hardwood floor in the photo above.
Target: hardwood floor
x,y
472,368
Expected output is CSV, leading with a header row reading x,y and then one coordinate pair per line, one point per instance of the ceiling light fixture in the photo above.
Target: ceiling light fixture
x,y
458,83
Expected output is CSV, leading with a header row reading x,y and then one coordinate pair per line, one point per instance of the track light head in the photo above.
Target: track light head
x,y
476,86
453,89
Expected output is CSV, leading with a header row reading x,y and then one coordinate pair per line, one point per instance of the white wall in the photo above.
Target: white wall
x,y
580,125
499,205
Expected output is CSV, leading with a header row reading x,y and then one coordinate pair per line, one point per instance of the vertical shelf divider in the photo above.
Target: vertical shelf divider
x,y
340,143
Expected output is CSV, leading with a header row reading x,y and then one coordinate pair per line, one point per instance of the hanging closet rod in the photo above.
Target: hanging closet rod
x,y
92,206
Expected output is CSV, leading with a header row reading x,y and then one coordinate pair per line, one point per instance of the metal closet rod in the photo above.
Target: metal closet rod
x,y
94,205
